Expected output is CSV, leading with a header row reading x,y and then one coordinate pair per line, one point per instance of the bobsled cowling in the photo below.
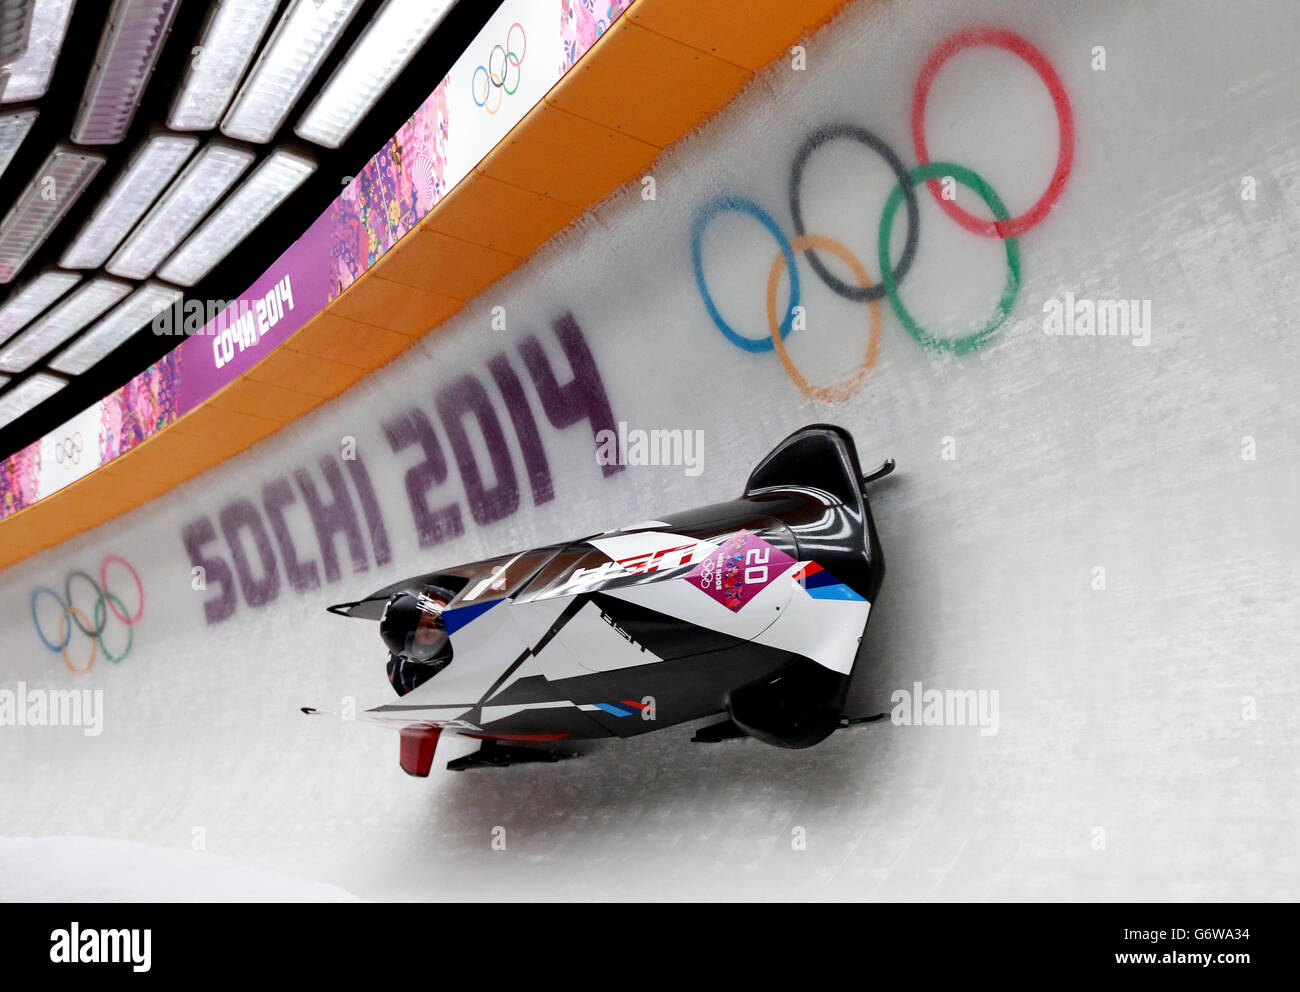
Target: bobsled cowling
x,y
755,607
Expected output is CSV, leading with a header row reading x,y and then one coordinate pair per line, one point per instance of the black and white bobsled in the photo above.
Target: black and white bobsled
x,y
753,608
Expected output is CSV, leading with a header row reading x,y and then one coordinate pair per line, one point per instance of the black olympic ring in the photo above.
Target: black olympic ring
x,y
505,64
819,137
101,615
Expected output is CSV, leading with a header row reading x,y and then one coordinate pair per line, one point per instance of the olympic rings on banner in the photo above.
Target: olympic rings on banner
x,y
1003,226
843,390
487,91
969,179
739,204
72,617
497,79
68,451
816,140
1018,46
523,36
494,78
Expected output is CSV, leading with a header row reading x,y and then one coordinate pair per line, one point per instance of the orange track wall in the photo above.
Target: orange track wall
x,y
682,60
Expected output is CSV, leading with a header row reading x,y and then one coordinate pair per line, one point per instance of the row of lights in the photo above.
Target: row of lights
x,y
176,209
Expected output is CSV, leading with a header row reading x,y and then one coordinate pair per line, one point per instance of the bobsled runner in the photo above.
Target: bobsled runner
x,y
754,609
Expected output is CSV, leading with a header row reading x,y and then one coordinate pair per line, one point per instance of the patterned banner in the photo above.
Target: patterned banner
x,y
518,56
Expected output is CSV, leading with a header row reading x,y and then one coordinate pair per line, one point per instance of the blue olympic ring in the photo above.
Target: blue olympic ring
x,y
67,639
473,86
741,205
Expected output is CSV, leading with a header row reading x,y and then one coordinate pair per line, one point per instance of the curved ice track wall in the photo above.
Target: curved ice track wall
x,y
1098,528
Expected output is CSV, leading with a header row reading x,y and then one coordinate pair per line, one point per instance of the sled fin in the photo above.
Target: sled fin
x,y
372,607
821,456
886,467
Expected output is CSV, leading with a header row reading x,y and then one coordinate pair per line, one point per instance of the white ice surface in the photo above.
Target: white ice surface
x,y
1147,744
95,869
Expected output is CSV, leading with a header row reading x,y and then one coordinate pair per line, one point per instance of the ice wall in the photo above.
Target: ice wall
x,y
1100,529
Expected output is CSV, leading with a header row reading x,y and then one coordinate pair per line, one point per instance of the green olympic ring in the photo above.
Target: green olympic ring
x,y
101,617
968,178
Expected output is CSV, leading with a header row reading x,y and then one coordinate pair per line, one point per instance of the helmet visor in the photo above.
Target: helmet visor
x,y
429,640
413,628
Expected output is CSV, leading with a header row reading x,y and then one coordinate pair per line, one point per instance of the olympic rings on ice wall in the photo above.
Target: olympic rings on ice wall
x,y
1003,226
107,605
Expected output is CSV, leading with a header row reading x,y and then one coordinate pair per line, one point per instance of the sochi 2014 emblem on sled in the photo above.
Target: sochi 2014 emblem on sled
x,y
740,569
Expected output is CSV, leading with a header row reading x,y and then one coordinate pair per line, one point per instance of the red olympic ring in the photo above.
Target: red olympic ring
x,y
1018,46
520,58
103,582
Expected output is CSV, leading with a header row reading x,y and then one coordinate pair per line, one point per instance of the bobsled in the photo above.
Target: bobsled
x,y
754,609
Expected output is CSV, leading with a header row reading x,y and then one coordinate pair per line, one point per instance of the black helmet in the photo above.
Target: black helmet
x,y
412,625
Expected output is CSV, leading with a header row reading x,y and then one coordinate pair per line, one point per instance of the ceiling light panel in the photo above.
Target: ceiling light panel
x,y
152,167
57,185
302,40
128,49
265,189
30,301
132,314
187,201
27,395
226,47
14,125
61,323
29,77
15,24
382,51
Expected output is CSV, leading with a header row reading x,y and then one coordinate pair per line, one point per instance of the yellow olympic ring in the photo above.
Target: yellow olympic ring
x,y
63,632
841,390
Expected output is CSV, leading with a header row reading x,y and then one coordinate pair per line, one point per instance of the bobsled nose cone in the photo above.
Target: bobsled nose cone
x,y
797,707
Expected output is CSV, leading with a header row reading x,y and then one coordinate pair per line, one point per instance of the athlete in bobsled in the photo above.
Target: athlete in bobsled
x,y
754,609
418,645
